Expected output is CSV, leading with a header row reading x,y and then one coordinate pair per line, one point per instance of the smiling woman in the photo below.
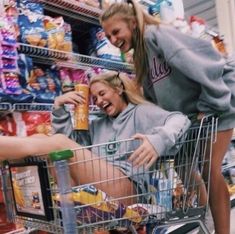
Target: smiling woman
x,y
111,93
126,114
119,32
108,99
202,78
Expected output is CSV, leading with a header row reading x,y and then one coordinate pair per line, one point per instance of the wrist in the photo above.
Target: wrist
x,y
57,104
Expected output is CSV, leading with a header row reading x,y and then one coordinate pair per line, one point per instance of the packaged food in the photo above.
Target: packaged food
x,y
81,111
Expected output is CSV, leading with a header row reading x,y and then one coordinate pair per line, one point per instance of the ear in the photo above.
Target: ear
x,y
119,91
133,23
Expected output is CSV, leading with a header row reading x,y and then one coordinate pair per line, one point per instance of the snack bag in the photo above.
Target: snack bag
x,y
104,49
29,123
44,84
66,80
99,207
30,22
59,34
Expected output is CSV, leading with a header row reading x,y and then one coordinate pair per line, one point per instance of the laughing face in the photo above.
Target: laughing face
x,y
107,99
119,32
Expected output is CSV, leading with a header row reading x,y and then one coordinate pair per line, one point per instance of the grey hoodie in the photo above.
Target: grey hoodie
x,y
162,128
187,74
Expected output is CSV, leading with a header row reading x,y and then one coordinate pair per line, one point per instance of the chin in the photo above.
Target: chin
x,y
125,50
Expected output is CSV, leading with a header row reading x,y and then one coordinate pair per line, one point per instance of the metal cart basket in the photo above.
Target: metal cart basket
x,y
44,193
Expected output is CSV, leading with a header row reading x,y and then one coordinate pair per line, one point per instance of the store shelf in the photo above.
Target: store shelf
x,y
73,9
80,11
32,107
68,59
5,106
93,109
42,52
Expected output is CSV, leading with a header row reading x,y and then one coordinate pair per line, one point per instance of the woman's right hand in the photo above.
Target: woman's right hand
x,y
73,97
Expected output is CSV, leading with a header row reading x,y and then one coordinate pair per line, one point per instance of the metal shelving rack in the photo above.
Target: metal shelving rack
x,y
73,9
79,11
68,59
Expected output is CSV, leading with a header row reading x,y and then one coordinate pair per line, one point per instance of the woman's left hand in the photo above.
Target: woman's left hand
x,y
145,155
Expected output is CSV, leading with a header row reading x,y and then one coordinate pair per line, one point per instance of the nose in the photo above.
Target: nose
x,y
98,101
113,39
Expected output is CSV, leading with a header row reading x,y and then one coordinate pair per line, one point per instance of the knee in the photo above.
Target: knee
x,y
63,142
60,140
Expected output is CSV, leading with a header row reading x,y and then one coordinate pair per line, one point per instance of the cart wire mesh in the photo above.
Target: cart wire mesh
x,y
96,187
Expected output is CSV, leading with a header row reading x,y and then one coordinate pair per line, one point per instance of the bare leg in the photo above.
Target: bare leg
x,y
90,169
94,170
219,196
18,147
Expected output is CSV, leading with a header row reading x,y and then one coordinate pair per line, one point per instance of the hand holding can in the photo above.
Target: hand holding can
x,y
81,112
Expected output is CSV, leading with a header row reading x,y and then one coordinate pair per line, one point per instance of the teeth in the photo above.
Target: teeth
x,y
105,105
120,44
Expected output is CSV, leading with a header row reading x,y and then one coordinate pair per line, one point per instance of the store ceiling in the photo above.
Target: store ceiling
x,y
203,8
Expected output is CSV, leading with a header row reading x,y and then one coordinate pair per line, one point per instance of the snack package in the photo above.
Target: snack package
x,y
29,123
92,3
44,84
97,206
81,112
25,65
10,83
7,126
66,80
104,49
197,26
30,22
59,33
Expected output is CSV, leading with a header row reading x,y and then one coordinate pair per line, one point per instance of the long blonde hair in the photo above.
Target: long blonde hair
x,y
120,81
128,11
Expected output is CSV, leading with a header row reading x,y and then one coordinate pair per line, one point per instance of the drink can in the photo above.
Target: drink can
x,y
81,111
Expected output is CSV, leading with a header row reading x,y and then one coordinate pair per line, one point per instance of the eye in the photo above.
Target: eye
x,y
115,32
102,93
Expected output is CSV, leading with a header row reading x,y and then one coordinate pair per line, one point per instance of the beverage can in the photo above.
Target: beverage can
x,y
81,111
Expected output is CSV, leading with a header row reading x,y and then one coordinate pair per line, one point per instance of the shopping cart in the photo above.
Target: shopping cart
x,y
72,192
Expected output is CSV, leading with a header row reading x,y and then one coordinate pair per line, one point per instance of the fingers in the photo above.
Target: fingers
x,y
145,155
73,97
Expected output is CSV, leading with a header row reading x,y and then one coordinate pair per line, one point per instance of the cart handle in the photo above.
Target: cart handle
x,y
197,118
61,155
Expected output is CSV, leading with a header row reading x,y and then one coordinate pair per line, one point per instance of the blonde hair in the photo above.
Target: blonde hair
x,y
126,12
115,80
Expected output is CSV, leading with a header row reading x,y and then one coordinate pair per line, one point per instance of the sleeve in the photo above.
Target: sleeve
x,y
61,122
162,128
206,69
200,62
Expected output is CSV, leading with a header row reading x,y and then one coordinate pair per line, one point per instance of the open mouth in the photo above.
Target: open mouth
x,y
106,106
120,45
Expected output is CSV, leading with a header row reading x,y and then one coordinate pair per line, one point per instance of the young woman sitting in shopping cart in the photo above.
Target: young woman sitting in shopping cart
x,y
126,115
